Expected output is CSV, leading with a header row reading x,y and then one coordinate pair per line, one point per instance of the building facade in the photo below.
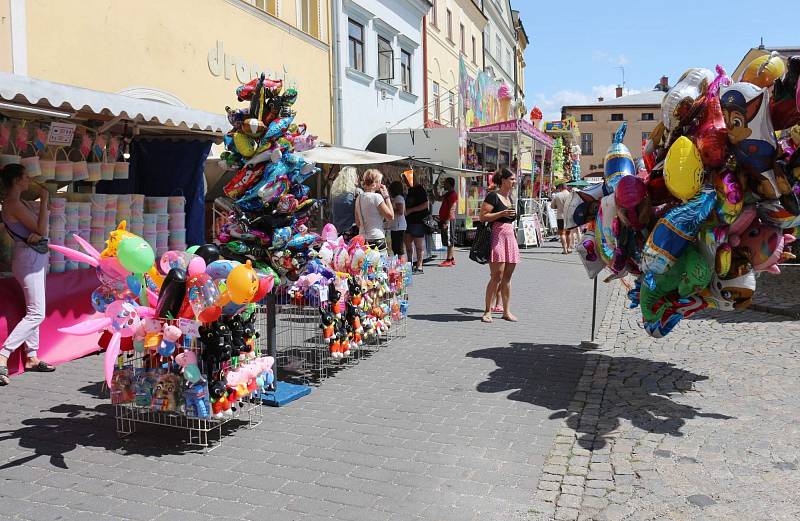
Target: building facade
x,y
598,122
453,31
500,42
153,50
378,63
519,78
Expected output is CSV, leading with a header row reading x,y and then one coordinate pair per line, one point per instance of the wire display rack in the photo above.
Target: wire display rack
x,y
203,433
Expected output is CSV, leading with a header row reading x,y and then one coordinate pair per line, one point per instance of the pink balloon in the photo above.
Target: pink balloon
x,y
112,352
88,248
329,233
74,255
196,266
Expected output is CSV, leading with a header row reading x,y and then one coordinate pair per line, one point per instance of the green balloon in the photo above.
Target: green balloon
x,y
192,249
135,255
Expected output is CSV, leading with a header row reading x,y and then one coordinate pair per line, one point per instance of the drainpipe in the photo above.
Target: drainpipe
x,y
425,71
338,127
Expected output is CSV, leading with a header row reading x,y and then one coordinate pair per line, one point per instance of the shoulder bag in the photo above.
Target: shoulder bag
x,y
482,245
39,246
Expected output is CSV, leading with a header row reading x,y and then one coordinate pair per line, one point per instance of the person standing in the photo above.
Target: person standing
x,y
447,217
417,209
397,226
372,207
498,210
343,192
559,202
28,266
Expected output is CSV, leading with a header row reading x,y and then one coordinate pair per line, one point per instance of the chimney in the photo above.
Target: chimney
x,y
665,83
619,91
600,99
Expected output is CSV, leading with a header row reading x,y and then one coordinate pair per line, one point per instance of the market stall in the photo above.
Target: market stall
x,y
105,158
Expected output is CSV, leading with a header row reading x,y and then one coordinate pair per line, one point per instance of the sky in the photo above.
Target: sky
x,y
577,47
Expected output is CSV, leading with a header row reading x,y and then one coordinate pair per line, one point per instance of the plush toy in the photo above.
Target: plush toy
x,y
187,360
328,325
196,401
335,299
171,336
355,290
216,339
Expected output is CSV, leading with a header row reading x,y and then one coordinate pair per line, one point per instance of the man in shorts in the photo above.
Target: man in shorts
x,y
559,202
447,217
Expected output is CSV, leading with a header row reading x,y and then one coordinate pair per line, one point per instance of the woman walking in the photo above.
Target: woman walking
x,y
397,226
28,265
417,209
372,207
498,210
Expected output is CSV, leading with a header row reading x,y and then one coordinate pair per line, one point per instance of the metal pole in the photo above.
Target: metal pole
x,y
272,337
594,307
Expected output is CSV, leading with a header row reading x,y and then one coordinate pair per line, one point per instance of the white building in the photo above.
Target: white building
x,y
378,64
500,41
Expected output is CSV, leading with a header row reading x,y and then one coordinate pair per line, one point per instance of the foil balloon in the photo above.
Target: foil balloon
x,y
618,161
733,293
196,266
203,294
775,214
689,275
679,101
680,309
730,196
712,133
587,251
266,281
175,259
785,105
683,169
581,208
274,190
246,177
764,70
633,202
765,246
171,296
221,269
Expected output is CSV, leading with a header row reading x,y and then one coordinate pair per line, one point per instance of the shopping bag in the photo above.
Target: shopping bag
x,y
482,245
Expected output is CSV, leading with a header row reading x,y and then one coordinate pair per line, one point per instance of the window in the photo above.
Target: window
x,y
616,117
587,146
509,63
405,70
463,40
498,47
587,117
647,116
437,106
449,25
356,43
309,17
435,14
269,6
385,59
474,50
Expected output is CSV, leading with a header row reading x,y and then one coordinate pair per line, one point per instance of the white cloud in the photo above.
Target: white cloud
x,y
551,104
605,57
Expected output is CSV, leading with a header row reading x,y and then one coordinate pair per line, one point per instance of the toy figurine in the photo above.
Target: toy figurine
x,y
335,297
356,291
196,400
171,336
327,325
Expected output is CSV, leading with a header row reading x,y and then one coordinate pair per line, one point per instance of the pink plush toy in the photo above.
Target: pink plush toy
x,y
188,363
171,336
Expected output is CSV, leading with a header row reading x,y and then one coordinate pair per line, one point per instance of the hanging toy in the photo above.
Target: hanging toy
x,y
168,343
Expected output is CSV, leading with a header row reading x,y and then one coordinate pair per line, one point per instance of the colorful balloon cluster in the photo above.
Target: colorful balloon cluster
x,y
134,288
717,202
270,202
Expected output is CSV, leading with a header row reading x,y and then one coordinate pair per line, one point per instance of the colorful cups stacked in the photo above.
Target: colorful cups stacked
x,y
177,223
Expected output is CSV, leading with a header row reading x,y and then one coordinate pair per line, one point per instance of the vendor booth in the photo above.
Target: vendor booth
x,y
105,158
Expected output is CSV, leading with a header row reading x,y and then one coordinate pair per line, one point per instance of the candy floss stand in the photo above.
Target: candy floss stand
x,y
105,158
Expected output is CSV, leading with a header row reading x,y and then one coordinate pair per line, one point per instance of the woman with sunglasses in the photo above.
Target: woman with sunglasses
x,y
498,210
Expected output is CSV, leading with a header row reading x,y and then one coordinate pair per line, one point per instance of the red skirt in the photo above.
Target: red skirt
x,y
504,244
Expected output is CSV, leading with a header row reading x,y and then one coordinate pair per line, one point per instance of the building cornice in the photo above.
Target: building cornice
x,y
421,6
357,11
474,13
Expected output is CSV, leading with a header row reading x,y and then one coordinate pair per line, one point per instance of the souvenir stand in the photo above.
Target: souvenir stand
x,y
80,142
515,143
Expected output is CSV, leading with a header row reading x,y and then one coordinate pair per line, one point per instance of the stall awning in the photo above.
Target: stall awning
x,y
519,125
31,92
331,155
450,170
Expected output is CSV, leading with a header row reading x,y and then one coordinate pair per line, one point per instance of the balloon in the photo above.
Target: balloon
x,y
765,246
221,269
242,283
582,207
677,104
618,160
114,239
587,251
689,275
633,202
173,291
196,266
730,199
101,298
175,259
134,284
135,255
192,249
329,233
203,294
209,252
712,134
266,281
683,169
734,293
764,70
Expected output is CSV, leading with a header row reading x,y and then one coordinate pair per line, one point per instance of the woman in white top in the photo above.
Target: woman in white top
x,y
372,207
397,226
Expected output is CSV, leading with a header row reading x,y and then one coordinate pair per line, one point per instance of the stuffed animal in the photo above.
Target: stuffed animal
x,y
189,368
171,336
196,402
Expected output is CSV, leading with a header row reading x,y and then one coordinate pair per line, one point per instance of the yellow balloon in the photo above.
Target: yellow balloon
x,y
114,238
242,283
764,70
683,169
244,144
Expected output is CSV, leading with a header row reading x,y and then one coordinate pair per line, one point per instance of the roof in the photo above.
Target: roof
x,y
331,155
650,97
27,91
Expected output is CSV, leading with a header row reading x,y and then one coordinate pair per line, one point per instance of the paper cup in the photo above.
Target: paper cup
x,y
32,166
80,170
58,266
176,203
71,266
121,170
177,221
64,171
150,218
178,235
57,203
106,171
95,171
9,159
48,168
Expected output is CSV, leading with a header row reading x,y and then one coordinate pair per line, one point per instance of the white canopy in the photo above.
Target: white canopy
x,y
26,92
331,155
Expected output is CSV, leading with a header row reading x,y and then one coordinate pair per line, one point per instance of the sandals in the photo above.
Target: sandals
x,y
4,380
41,367
486,319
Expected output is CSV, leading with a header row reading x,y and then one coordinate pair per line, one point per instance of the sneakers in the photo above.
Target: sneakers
x,y
449,263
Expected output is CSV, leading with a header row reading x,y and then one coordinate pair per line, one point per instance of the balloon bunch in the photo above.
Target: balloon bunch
x,y
718,199
270,202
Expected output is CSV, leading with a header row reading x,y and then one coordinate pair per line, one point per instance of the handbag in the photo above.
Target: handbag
x,y
430,224
40,246
482,245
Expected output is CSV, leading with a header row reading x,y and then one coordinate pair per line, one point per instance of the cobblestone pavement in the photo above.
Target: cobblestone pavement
x,y
700,425
454,422
778,294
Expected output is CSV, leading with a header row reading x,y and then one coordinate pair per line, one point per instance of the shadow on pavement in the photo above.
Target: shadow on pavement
x,y
736,317
638,390
445,317
79,426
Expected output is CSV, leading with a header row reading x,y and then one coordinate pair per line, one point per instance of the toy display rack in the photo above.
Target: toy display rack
x,y
202,433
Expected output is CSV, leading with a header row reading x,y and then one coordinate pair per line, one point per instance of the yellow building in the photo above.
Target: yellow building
x,y
519,74
182,52
453,28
